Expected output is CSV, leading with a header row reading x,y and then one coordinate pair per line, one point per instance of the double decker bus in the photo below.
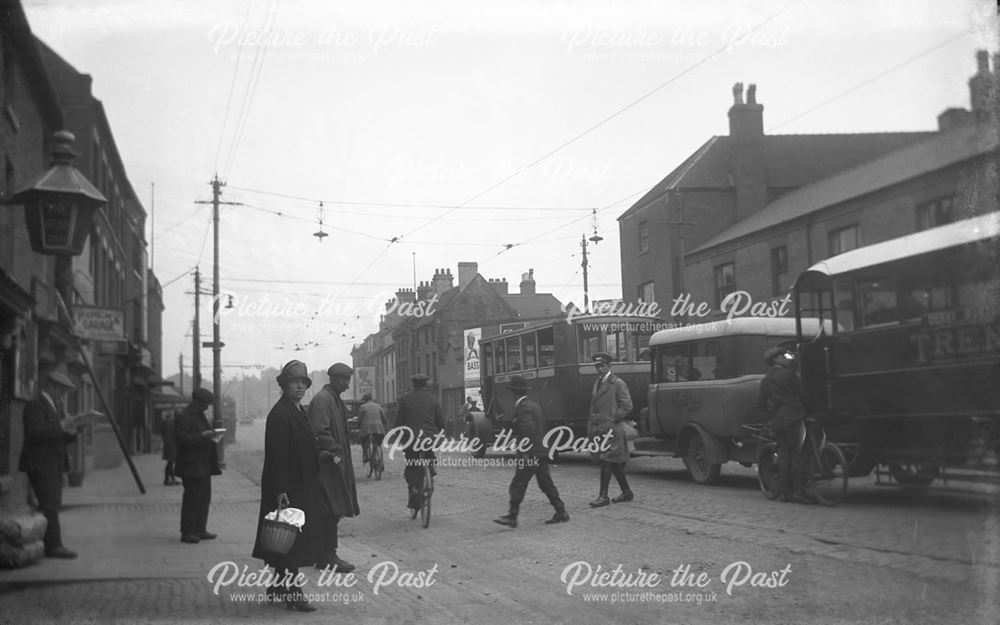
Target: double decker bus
x,y
909,374
556,356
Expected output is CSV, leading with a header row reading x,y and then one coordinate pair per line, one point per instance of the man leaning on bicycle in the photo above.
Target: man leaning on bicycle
x,y
420,411
783,399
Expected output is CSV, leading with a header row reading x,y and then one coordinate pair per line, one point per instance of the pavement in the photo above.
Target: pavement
x,y
120,533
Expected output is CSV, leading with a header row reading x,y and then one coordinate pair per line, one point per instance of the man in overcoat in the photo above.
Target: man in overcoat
x,y
328,418
610,404
47,431
420,411
197,461
529,424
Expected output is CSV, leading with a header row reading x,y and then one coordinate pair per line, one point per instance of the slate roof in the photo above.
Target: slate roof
x,y
936,152
792,160
534,306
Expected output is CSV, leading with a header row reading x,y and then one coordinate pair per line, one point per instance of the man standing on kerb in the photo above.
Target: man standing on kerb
x,y
197,461
328,418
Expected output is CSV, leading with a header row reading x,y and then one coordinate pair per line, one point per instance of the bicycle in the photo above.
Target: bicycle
x,y
826,477
426,489
376,463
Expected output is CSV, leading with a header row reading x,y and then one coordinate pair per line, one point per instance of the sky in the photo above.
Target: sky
x,y
445,131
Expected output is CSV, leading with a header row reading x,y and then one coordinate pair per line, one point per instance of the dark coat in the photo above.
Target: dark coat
x,y
420,411
45,440
782,397
529,423
197,456
328,418
291,466
610,403
169,438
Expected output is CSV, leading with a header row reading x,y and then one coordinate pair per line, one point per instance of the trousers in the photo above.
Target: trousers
x,y
46,481
194,504
543,475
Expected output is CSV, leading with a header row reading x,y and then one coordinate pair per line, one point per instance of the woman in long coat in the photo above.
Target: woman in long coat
x,y
290,479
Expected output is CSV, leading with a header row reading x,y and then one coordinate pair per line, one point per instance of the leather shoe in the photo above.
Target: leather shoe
x,y
600,502
60,552
343,566
206,535
558,517
625,496
508,519
190,538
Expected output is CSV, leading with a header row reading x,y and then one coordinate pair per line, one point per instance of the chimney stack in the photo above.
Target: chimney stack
x,y
424,291
405,295
748,159
983,87
466,272
500,285
442,281
528,282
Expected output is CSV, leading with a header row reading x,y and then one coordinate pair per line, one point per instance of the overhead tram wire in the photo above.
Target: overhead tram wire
x,y
872,79
232,85
250,92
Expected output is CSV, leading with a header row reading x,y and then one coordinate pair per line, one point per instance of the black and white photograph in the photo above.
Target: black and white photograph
x,y
483,312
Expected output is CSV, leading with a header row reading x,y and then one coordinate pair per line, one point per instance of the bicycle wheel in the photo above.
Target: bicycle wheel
x,y
425,508
767,470
828,475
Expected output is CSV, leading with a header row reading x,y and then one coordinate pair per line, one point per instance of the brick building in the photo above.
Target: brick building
x,y
726,181
433,343
946,176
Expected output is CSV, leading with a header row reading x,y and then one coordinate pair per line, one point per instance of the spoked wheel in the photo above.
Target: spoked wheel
x,y
767,470
698,465
828,475
428,490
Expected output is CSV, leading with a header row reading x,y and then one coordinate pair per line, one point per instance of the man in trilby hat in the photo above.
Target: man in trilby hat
x,y
328,418
197,461
47,432
529,424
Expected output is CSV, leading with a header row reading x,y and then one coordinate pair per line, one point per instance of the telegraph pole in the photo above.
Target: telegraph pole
x,y
196,358
180,365
586,295
216,343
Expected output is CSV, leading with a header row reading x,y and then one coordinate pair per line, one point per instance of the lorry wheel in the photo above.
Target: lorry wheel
x,y
696,460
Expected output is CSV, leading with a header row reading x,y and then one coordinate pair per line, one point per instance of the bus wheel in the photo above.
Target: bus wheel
x,y
913,474
696,460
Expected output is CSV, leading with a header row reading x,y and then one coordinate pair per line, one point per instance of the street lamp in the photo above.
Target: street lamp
x,y
59,206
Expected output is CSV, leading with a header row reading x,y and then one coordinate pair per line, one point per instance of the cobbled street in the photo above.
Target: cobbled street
x,y
884,556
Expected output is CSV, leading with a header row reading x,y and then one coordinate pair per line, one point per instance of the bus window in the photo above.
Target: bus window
x,y
590,342
639,343
501,356
487,358
877,301
514,353
528,343
672,363
843,294
616,345
705,360
546,348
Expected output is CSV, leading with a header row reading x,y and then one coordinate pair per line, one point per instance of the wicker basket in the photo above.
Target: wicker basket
x,y
277,537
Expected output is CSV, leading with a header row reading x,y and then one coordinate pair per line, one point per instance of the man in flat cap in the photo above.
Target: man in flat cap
x,y
529,424
610,404
328,418
197,461
420,411
783,398
47,431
